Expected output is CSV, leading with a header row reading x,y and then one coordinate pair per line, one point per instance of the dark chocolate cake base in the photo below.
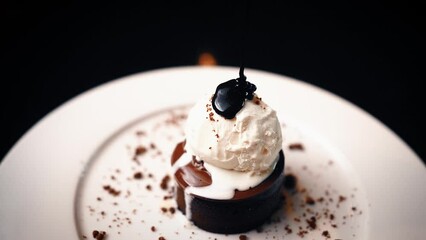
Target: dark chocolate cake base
x,y
247,210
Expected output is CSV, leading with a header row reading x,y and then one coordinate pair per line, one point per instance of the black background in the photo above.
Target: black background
x,y
371,54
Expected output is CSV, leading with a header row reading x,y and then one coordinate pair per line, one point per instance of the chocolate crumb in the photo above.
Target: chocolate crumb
x,y
161,238
341,198
148,187
140,133
309,200
153,229
302,233
172,210
111,190
99,199
290,181
165,182
138,175
211,116
354,209
331,216
243,237
288,229
140,150
98,235
164,210
312,223
167,197
296,146
326,234
257,100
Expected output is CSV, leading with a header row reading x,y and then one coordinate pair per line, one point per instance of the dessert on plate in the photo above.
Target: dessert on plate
x,y
229,169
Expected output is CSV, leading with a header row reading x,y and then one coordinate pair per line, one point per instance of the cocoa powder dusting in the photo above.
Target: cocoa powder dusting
x,y
291,185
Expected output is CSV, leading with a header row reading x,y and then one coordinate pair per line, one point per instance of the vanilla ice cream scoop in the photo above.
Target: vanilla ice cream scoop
x,y
248,142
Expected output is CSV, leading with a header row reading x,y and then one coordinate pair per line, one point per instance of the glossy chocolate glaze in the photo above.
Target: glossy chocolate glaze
x,y
194,174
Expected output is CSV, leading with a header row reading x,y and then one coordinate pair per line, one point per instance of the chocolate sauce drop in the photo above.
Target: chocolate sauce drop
x,y
230,96
192,174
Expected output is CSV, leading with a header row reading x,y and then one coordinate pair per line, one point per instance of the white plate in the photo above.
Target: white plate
x,y
51,179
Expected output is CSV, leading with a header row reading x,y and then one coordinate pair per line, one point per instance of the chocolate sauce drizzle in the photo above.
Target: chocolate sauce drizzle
x,y
230,96
192,174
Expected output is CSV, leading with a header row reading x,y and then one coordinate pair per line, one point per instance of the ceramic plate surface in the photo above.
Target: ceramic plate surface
x,y
101,162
